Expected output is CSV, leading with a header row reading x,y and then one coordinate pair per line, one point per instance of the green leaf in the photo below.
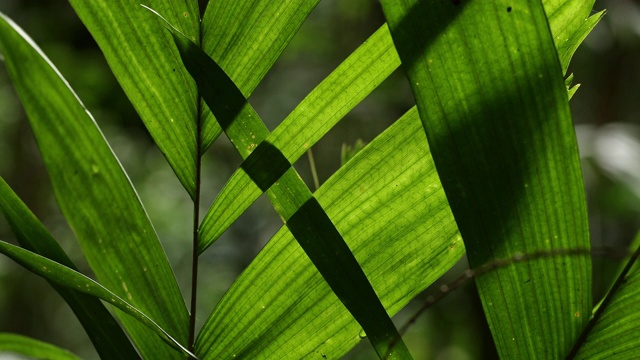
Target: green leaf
x,y
95,195
341,91
281,308
105,333
266,24
493,104
613,330
570,23
32,348
64,276
303,215
327,104
149,70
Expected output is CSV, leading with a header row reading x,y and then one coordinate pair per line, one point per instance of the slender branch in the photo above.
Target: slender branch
x,y
196,217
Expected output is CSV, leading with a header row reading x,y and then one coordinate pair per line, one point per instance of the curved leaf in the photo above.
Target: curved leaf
x,y
33,348
494,106
103,330
64,276
95,195
281,308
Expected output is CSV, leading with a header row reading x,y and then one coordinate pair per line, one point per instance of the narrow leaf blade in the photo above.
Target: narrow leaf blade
x,y
105,333
95,194
33,348
149,70
64,276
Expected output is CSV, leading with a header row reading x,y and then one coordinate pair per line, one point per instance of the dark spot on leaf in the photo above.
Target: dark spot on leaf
x,y
185,14
509,9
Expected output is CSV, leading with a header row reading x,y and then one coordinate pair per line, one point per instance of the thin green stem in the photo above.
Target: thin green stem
x,y
196,219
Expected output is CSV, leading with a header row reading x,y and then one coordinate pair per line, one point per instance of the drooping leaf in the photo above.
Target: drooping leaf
x,y
71,279
33,348
303,215
493,103
105,333
149,70
281,308
95,195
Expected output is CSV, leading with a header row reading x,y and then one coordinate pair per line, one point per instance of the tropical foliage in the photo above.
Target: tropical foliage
x,y
497,177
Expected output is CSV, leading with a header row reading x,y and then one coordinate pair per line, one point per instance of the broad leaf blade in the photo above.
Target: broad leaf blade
x,y
32,348
281,308
95,194
493,104
71,279
304,216
149,70
105,333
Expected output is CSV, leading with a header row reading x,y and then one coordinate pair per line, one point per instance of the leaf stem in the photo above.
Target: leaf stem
x,y
196,217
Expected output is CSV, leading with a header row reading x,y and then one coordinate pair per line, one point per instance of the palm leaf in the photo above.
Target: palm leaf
x,y
105,333
95,195
493,104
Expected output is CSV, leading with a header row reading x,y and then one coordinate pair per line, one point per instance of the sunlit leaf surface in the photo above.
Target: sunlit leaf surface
x,y
494,106
95,195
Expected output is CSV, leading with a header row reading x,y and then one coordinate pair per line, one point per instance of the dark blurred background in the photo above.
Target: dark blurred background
x,y
606,111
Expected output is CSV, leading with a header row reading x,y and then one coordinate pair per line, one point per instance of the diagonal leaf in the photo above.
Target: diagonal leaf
x,y
303,215
150,72
281,308
71,279
338,94
345,87
105,333
32,348
95,195
493,104
266,24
